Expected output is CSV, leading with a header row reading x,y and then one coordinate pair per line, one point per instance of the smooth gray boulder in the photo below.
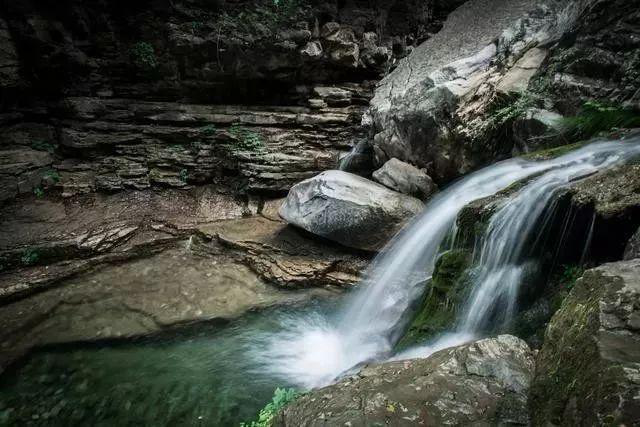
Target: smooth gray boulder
x,y
481,383
588,370
348,209
405,178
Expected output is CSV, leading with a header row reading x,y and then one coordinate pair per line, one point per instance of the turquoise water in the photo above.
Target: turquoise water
x,y
197,377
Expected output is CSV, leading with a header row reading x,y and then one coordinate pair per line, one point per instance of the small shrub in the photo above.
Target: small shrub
x,y
144,57
52,176
569,275
208,130
39,192
248,140
30,257
43,146
281,398
505,111
595,118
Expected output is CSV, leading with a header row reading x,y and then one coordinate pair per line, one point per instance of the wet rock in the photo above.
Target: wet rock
x,y
485,382
633,247
533,127
348,209
587,370
405,178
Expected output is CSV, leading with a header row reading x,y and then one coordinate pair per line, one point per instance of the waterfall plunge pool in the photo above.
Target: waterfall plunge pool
x,y
202,375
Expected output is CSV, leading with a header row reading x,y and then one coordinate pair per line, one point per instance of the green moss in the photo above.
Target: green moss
x,y
441,302
552,153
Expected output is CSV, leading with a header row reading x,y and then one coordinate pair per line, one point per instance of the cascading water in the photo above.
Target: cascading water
x,y
313,351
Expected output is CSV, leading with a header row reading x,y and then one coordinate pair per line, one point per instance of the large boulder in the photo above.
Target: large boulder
x,y
446,81
482,383
588,369
405,178
348,209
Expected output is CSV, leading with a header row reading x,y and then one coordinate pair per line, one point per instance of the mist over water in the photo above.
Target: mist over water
x,y
314,350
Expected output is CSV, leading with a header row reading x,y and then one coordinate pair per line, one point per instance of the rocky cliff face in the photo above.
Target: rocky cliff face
x,y
498,77
245,94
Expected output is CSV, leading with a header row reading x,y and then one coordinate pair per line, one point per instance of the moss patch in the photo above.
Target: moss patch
x,y
442,301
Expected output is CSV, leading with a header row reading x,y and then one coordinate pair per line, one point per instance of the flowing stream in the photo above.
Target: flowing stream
x,y
312,352
222,376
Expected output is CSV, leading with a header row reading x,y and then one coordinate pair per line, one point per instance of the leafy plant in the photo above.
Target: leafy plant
x,y
569,275
209,130
595,118
43,146
51,175
30,256
38,191
281,398
507,110
184,175
248,140
144,56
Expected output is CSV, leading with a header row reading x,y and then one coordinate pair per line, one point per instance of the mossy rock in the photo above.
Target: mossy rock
x,y
587,369
446,291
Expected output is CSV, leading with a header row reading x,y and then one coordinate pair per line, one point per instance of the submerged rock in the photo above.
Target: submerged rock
x,y
587,371
348,209
405,178
482,383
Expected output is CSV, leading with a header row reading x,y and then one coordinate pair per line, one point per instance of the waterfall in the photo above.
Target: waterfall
x,y
315,350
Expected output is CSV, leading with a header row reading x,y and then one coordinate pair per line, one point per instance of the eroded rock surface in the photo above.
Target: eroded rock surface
x,y
349,209
137,263
482,383
587,371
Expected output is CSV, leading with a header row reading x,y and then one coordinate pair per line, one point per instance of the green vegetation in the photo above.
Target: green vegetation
x,y
281,398
52,176
441,302
30,257
43,146
506,110
248,140
38,191
596,117
144,57
209,130
264,19
569,275
184,175
550,153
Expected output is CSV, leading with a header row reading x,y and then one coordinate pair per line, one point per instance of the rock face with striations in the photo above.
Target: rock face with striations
x,y
482,383
587,371
348,209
